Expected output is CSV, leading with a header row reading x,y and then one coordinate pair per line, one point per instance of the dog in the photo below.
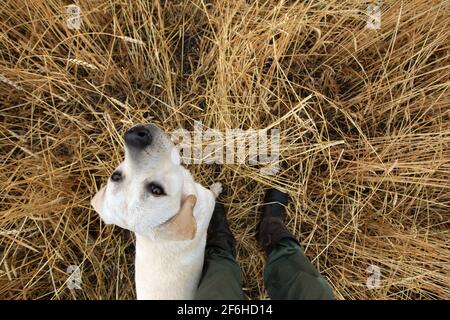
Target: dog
x,y
151,194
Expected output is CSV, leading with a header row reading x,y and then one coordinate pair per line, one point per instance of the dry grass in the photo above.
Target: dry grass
x,y
364,118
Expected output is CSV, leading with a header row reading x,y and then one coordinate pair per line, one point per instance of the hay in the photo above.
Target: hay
x,y
364,118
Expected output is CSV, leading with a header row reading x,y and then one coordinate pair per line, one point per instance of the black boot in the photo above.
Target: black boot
x,y
272,229
219,233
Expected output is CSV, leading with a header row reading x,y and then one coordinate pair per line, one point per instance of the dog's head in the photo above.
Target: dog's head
x,y
149,193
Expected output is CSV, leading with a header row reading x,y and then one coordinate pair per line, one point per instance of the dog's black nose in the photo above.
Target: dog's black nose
x,y
138,137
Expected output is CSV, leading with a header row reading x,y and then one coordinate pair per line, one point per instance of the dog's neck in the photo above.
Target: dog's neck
x,y
172,269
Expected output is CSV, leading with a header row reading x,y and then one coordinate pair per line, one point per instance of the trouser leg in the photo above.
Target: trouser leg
x,y
221,277
290,275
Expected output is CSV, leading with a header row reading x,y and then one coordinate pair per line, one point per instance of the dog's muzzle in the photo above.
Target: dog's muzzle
x,y
138,137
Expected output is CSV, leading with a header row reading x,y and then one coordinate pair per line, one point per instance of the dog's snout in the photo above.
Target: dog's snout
x,y
138,137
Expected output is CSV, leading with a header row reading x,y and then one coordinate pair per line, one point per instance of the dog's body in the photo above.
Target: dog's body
x,y
151,194
172,269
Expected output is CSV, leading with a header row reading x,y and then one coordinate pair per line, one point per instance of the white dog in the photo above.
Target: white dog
x,y
151,194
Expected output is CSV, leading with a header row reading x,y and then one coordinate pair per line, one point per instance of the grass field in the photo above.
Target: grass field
x,y
363,114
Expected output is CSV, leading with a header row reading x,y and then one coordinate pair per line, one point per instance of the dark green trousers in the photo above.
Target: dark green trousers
x,y
288,275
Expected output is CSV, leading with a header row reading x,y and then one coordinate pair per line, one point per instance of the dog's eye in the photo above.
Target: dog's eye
x,y
155,189
116,176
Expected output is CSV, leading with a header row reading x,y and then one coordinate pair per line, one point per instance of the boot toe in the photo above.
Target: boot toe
x,y
274,195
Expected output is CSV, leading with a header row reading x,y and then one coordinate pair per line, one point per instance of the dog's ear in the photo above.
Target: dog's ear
x,y
97,200
183,225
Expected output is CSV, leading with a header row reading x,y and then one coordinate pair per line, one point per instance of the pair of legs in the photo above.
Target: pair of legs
x,y
288,273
